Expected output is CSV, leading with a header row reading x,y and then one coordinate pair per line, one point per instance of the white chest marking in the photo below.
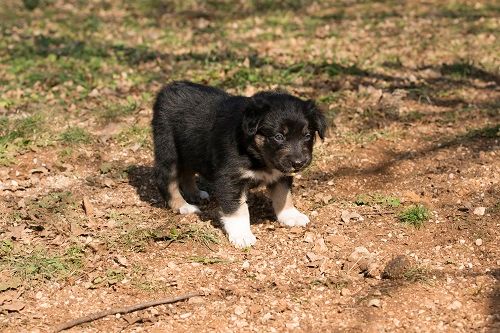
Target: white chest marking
x,y
262,176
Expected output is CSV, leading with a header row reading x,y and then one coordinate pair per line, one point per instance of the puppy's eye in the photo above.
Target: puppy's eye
x,y
279,137
307,136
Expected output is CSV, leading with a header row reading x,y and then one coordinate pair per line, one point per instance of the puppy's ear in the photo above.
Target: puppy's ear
x,y
316,117
253,113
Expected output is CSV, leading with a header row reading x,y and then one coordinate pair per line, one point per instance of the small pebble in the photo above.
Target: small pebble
x,y
479,211
455,305
345,292
479,242
375,302
239,310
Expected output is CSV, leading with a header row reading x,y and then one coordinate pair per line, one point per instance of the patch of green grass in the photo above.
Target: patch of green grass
x,y
412,116
485,132
333,283
196,233
416,274
335,69
51,72
6,246
111,277
113,112
19,129
393,61
467,69
136,240
377,199
116,171
135,134
105,168
415,215
17,135
41,265
65,153
55,202
460,10
75,135
207,260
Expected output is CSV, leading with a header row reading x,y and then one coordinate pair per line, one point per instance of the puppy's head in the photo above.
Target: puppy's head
x,y
282,129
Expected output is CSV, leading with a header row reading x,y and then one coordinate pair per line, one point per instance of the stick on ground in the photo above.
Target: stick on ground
x,y
128,309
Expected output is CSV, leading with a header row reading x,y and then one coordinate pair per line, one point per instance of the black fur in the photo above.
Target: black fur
x,y
202,129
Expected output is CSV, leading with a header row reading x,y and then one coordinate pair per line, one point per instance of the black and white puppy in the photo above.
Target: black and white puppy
x,y
233,142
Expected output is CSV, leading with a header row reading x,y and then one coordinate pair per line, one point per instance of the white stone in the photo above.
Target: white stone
x,y
455,305
479,211
375,302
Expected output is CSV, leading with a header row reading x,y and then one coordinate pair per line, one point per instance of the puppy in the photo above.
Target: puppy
x,y
232,142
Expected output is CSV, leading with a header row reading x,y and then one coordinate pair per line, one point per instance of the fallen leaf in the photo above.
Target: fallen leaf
x,y
315,260
16,231
360,258
375,302
320,246
132,319
348,216
76,230
309,237
121,260
39,170
14,306
4,173
12,283
313,257
88,207
108,182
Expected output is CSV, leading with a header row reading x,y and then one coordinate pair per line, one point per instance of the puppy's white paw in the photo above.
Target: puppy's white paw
x,y
242,239
189,209
292,217
204,195
238,231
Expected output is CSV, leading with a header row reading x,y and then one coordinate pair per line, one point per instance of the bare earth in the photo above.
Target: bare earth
x,y
412,95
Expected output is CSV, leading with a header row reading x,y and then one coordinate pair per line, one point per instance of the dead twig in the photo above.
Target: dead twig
x,y
113,311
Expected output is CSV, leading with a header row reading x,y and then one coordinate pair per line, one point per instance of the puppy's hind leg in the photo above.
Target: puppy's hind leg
x,y
166,176
283,206
189,188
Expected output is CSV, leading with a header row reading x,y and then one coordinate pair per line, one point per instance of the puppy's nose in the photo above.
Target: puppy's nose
x,y
297,164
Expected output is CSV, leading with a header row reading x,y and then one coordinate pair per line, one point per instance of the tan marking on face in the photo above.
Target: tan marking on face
x,y
259,140
285,130
281,197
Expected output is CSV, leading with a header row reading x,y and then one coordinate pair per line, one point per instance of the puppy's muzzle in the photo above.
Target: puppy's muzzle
x,y
298,164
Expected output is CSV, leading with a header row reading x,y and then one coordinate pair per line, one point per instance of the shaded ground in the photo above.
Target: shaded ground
x,y
411,92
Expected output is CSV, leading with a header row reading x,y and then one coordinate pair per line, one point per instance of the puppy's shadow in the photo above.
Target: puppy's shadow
x,y
141,177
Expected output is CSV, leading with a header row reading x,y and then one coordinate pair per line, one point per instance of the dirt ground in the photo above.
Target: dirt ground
x,y
411,91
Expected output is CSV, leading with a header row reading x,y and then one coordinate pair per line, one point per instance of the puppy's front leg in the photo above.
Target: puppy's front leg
x,y
283,205
235,216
